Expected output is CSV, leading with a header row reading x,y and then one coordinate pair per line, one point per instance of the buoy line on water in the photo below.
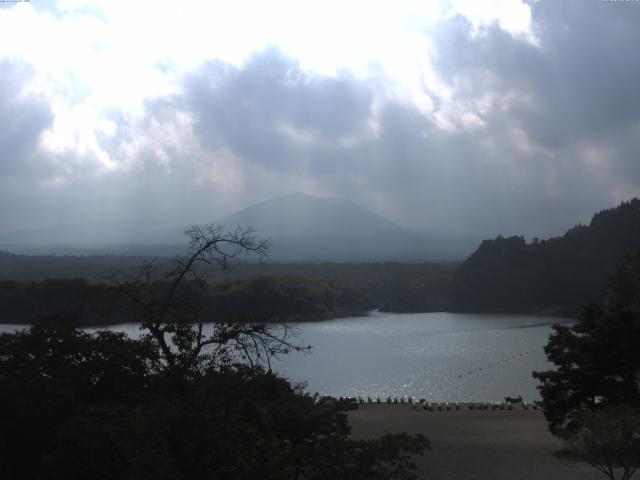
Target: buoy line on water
x,y
491,366
434,406
409,399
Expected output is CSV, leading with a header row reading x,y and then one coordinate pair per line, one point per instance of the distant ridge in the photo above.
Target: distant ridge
x,y
92,237
301,215
301,228
557,275
307,228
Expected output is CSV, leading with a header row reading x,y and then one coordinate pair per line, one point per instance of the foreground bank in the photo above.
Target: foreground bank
x,y
474,444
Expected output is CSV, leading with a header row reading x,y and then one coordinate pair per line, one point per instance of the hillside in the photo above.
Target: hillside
x,y
557,275
306,228
300,215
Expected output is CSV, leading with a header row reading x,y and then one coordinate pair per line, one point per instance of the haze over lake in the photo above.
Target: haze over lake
x,y
437,356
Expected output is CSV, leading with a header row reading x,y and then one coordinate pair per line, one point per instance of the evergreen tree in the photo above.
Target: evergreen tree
x,y
597,358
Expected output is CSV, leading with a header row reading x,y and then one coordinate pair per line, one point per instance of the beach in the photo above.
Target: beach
x,y
474,445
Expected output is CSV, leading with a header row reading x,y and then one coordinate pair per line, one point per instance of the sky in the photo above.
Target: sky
x,y
480,117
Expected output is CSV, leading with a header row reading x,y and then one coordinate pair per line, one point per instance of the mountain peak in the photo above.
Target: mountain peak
x,y
303,227
307,228
312,201
302,215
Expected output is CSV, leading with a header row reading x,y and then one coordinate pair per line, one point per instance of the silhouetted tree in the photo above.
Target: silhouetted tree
x,y
49,373
597,359
179,403
608,440
167,301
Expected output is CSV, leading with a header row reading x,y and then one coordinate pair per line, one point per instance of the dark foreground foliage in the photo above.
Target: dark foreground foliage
x,y
607,439
186,401
75,405
597,358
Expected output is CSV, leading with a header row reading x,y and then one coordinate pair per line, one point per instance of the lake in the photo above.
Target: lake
x,y
437,356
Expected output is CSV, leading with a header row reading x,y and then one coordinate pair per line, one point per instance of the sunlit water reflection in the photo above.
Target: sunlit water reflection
x,y
438,356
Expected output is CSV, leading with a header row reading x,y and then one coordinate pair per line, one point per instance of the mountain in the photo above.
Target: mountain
x,y
558,275
299,215
301,228
306,228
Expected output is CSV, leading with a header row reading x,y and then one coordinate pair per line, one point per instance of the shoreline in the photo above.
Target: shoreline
x,y
474,444
339,315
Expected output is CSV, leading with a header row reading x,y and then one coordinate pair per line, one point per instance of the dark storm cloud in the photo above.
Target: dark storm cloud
x,y
249,109
583,77
559,137
23,118
523,171
473,180
573,95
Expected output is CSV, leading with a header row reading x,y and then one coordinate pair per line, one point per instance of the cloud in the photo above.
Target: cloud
x,y
569,102
488,179
513,118
579,82
23,118
273,113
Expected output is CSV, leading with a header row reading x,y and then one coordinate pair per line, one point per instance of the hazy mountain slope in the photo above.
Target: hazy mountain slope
x,y
299,215
96,235
556,275
303,227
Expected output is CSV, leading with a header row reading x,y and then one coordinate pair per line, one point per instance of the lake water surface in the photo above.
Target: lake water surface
x,y
437,356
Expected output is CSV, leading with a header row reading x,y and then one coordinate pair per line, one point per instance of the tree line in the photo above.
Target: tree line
x,y
262,298
554,276
292,292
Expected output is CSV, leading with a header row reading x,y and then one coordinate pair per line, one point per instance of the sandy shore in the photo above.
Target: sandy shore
x,y
470,445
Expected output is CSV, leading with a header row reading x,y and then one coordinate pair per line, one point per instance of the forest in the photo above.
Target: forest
x,y
554,276
545,277
266,291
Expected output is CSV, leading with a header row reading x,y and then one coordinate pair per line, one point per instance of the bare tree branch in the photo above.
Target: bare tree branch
x,y
166,304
